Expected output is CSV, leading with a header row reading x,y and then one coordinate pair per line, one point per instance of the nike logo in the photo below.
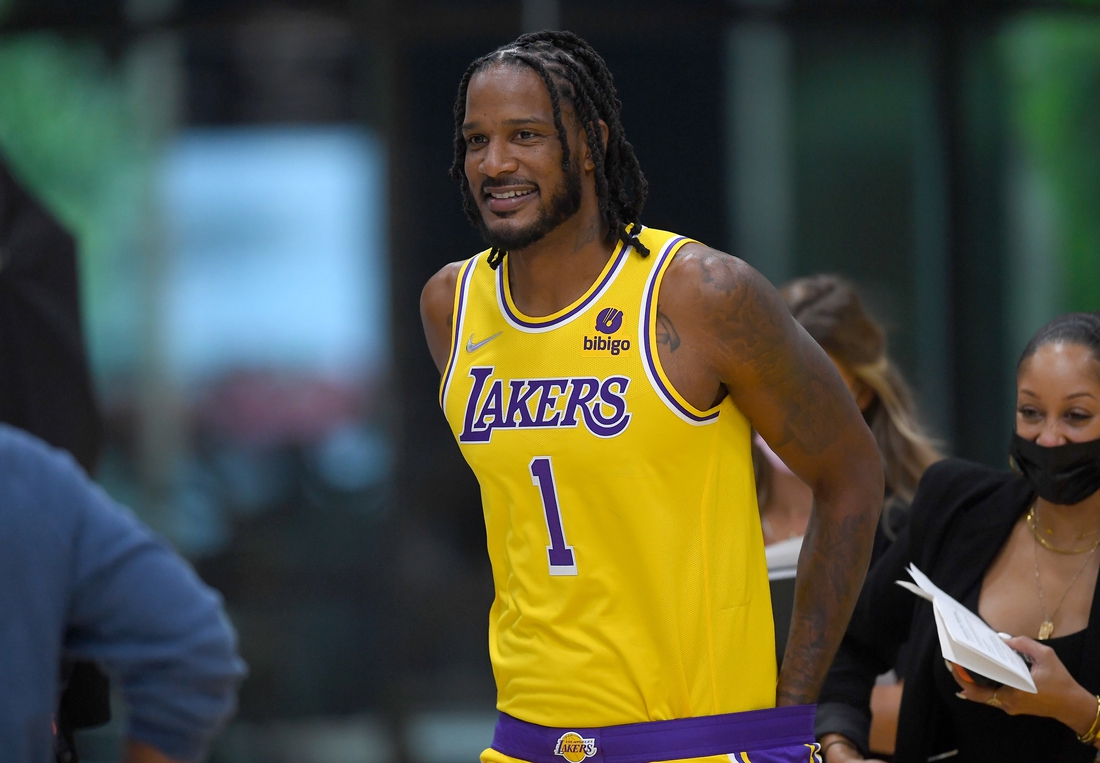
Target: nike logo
x,y
472,346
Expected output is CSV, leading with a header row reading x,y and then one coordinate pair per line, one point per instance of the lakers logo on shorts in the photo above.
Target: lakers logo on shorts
x,y
575,748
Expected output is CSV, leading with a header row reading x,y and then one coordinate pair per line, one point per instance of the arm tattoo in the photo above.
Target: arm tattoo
x,y
761,348
666,332
751,330
824,600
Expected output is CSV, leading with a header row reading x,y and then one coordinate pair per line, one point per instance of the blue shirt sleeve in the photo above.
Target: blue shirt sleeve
x,y
139,610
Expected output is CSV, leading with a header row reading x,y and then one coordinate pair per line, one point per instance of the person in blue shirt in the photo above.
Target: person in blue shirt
x,y
81,578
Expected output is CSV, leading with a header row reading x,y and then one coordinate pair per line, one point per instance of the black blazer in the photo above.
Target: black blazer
x,y
962,515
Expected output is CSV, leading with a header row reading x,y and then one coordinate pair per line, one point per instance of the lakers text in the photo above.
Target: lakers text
x,y
575,748
597,404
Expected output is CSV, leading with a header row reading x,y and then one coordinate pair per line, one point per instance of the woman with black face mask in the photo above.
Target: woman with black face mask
x,y
1020,548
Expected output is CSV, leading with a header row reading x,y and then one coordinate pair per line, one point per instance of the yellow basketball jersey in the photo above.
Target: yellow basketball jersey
x,y
622,525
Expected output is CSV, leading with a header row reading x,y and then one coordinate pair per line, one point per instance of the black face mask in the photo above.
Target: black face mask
x,y
1065,474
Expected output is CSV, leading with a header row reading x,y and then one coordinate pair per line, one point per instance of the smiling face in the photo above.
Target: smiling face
x,y
514,157
1058,395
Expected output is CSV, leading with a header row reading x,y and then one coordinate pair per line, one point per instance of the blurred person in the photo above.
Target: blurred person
x,y
601,379
831,311
46,385
785,501
81,578
45,381
1018,548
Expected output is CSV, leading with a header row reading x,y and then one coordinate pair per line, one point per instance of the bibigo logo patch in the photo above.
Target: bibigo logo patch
x,y
608,322
575,748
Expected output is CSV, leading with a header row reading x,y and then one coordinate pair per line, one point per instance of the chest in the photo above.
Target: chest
x,y
1027,586
607,365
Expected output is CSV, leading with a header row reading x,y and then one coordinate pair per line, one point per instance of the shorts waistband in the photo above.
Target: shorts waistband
x,y
657,740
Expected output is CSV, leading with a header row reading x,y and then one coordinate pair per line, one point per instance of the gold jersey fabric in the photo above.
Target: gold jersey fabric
x,y
622,524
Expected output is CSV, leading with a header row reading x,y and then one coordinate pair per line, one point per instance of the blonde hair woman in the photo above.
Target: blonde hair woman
x,y
831,311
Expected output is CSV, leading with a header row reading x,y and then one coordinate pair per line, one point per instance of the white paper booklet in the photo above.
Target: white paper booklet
x,y
966,639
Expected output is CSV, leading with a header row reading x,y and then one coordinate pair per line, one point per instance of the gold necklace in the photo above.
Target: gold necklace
x,y
1033,523
1046,628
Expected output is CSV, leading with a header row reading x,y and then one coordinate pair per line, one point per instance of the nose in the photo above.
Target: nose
x,y
497,160
1051,435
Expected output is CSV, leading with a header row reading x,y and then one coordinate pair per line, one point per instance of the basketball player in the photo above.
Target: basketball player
x,y
602,379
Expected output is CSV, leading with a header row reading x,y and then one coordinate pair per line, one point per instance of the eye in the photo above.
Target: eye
x,y
526,135
1028,412
475,140
1078,415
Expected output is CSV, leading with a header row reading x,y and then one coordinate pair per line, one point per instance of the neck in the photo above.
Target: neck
x,y
1068,524
559,268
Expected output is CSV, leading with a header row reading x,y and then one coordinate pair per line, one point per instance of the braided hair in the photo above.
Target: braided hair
x,y
571,69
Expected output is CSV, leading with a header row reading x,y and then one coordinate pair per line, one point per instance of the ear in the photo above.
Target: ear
x,y
588,163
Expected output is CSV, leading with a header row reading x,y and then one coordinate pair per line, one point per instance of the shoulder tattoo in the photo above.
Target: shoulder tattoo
x,y
666,332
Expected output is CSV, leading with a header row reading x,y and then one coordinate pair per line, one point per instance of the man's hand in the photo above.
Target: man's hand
x,y
723,329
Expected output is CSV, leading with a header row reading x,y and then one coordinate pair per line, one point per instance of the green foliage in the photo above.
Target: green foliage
x,y
1054,70
69,132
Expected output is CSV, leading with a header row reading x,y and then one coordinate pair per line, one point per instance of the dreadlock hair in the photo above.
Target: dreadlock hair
x,y
571,69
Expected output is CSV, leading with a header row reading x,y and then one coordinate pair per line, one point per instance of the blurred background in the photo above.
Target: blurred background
x,y
259,190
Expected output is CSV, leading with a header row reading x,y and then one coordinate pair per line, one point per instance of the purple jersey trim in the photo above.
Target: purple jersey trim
x,y
650,352
460,313
525,324
781,730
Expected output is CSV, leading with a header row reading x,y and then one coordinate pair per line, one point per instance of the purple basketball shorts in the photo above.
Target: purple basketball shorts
x,y
777,735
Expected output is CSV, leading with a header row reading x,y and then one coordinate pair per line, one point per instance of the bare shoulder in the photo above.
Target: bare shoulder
x,y
437,311
725,296
775,373
711,268
439,291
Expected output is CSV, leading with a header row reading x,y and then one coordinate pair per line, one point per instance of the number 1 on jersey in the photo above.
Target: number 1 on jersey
x,y
562,561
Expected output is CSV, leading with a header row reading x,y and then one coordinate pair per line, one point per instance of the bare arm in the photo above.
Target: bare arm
x,y
437,312
741,340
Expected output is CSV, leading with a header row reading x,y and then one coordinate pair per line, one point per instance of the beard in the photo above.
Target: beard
x,y
563,204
